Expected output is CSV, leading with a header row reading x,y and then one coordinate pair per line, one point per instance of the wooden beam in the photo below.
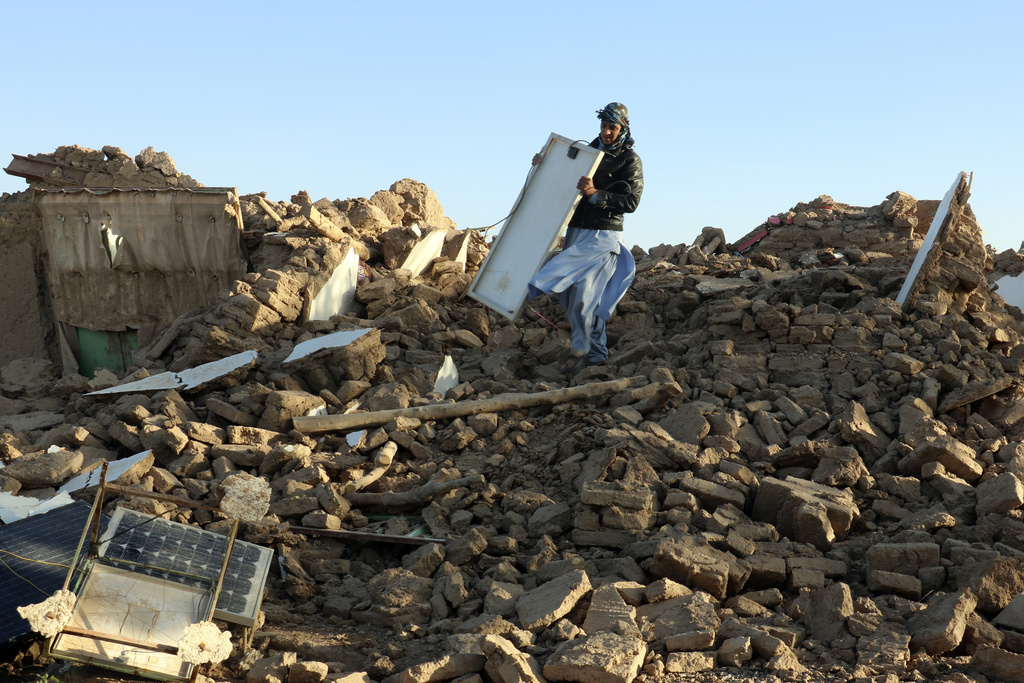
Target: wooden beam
x,y
440,411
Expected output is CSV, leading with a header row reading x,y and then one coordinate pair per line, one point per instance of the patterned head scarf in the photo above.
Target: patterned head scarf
x,y
617,114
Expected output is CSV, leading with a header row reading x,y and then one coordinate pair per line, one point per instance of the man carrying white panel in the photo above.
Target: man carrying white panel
x,y
595,268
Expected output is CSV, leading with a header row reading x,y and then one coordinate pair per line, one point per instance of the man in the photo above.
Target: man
x,y
595,268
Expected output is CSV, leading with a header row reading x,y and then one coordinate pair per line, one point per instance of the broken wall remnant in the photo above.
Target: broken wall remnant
x,y
121,260
949,210
27,331
30,331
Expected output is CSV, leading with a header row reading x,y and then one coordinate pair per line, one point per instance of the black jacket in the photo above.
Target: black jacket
x,y
619,180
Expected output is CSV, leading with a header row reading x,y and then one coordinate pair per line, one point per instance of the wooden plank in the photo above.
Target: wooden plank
x,y
439,411
42,170
366,536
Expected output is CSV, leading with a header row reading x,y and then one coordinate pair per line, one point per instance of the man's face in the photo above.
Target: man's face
x,y
610,132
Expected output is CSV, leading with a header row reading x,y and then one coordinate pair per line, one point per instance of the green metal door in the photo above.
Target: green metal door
x,y
111,350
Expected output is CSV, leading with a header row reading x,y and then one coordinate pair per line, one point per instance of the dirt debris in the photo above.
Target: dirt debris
x,y
813,482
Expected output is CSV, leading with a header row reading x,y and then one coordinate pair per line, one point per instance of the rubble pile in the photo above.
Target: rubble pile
x,y
111,167
797,478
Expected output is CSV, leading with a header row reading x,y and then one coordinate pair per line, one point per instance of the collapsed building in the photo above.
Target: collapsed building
x,y
788,467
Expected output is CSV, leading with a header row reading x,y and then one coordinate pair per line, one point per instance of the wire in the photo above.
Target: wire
x,y
29,582
515,207
543,318
28,559
145,522
519,199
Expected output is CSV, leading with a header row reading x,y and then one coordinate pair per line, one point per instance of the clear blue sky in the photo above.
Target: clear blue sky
x,y
739,109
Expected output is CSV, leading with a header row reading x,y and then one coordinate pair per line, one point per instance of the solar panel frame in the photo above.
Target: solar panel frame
x,y
189,555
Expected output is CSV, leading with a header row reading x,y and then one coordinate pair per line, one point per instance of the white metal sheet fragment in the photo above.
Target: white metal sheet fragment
x,y
338,295
120,603
13,508
425,251
186,379
531,232
160,382
193,377
447,376
334,340
929,241
115,470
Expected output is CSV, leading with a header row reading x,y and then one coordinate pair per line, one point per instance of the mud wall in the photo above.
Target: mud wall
x,y
26,323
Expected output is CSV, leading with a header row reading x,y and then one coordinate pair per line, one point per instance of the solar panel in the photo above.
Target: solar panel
x,y
190,556
34,557
123,604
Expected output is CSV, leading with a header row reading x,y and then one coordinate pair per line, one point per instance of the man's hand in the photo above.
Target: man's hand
x,y
586,186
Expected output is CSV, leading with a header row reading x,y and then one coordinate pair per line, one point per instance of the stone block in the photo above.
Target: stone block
x,y
44,469
678,616
609,612
998,664
307,672
826,610
805,578
271,669
551,601
467,547
444,668
604,493
940,627
957,458
778,503
689,662
600,658
691,641
766,571
1011,616
710,494
996,582
903,558
857,428
893,583
999,495
701,567
886,651
506,664
282,406
686,424
735,652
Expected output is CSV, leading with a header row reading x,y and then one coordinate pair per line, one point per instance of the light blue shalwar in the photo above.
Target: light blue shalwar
x,y
590,276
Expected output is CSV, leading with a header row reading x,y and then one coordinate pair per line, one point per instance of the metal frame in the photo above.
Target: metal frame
x,y
537,221
87,570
